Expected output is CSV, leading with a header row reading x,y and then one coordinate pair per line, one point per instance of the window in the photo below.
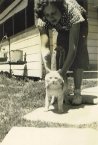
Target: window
x,y
30,13
8,27
1,31
19,22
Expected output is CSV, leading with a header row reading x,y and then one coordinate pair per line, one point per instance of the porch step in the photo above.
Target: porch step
x,y
90,74
87,74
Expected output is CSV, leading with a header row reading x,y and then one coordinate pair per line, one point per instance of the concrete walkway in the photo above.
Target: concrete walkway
x,y
73,115
50,136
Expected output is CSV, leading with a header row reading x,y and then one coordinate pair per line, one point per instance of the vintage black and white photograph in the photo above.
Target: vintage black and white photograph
x,y
48,72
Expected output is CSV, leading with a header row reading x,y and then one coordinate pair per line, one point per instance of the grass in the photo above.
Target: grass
x,y
19,97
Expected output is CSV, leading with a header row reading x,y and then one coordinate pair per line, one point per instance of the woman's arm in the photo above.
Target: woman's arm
x,y
45,50
73,42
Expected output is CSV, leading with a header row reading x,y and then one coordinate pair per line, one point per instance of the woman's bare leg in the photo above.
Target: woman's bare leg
x,y
78,75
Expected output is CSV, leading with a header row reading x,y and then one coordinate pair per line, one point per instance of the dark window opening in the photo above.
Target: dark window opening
x,y
18,22
30,13
8,27
1,32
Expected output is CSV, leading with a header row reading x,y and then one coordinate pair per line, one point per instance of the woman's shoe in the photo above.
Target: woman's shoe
x,y
77,99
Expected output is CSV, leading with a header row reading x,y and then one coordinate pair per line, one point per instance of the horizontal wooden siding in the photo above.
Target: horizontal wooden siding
x,y
29,43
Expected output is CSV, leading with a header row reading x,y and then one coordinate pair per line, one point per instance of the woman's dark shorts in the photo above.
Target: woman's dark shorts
x,y
81,59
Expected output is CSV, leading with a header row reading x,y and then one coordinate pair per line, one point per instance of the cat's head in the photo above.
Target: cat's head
x,y
54,80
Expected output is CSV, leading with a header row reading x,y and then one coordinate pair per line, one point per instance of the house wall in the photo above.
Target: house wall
x,y
29,42
93,33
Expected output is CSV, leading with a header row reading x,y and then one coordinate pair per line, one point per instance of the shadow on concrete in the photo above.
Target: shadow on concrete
x,y
90,99
86,101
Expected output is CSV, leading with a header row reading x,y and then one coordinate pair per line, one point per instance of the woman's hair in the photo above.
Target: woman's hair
x,y
41,4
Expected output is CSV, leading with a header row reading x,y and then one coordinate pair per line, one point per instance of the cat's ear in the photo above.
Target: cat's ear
x,y
48,71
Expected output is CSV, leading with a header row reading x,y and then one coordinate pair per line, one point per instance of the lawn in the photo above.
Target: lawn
x,y
19,97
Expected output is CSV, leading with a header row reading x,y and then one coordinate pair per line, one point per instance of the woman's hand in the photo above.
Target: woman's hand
x,y
62,73
40,23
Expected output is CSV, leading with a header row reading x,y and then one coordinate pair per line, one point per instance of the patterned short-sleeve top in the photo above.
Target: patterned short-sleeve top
x,y
73,14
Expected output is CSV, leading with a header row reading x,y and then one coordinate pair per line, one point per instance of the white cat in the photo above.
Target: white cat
x,y
54,84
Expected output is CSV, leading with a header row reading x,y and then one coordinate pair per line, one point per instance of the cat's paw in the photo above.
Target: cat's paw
x,y
95,101
51,107
46,109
